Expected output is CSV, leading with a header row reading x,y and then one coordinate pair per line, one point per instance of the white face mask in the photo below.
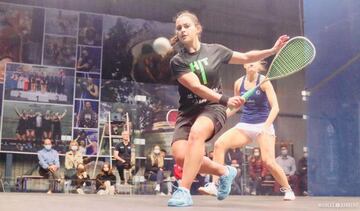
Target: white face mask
x,y
74,148
47,147
284,152
256,154
156,151
305,154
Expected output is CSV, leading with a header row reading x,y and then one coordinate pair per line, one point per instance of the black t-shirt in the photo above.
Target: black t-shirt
x,y
206,64
124,150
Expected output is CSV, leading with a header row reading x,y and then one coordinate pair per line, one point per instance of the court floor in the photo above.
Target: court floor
x,y
63,202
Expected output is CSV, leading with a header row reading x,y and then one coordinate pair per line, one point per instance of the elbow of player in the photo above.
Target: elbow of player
x,y
275,109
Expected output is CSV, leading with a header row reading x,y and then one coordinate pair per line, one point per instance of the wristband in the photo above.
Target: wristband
x,y
224,100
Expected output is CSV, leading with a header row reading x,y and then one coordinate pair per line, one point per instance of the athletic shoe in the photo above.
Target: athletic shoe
x,y
209,189
180,198
289,194
225,182
80,191
157,188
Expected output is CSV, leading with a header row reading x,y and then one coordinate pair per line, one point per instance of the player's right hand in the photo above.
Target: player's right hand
x,y
236,102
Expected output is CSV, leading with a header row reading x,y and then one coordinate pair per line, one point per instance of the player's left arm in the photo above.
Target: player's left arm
x,y
273,102
257,55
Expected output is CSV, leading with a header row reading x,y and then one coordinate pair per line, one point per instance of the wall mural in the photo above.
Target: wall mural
x,y
62,73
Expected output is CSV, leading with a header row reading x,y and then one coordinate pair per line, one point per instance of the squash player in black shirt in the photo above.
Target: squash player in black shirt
x,y
196,67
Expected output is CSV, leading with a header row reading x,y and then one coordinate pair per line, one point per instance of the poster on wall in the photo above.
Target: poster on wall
x,y
62,71
61,22
24,125
130,52
87,86
39,84
21,34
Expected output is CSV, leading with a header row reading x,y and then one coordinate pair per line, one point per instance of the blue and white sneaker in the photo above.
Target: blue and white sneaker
x,y
180,198
225,182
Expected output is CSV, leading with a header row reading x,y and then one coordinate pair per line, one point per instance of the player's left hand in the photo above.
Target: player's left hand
x,y
280,42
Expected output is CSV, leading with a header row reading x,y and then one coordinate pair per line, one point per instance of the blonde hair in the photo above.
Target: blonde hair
x,y
73,143
157,159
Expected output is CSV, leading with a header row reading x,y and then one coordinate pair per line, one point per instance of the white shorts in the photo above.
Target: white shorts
x,y
253,130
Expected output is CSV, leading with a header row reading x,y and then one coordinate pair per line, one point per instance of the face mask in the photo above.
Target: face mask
x,y
284,152
156,151
74,148
256,154
305,155
47,147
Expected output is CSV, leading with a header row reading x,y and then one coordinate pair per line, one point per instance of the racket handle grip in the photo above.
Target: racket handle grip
x,y
249,93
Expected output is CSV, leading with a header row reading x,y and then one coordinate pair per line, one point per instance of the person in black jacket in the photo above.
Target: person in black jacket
x,y
105,181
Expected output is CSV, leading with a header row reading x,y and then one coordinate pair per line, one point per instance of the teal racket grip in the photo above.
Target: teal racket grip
x,y
249,93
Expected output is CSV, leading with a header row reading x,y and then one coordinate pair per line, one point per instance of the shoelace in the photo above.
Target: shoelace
x,y
208,184
178,192
284,189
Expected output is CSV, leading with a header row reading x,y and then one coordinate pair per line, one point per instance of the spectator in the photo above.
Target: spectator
x,y
257,171
72,159
168,170
155,168
303,173
234,158
287,163
49,164
105,181
81,179
122,155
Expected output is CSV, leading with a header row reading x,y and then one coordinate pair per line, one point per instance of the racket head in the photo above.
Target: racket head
x,y
293,57
171,117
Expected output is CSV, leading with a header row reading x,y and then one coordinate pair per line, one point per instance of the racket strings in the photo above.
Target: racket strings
x,y
293,57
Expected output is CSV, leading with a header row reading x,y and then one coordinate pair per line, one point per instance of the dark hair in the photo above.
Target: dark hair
x,y
7,57
174,41
283,145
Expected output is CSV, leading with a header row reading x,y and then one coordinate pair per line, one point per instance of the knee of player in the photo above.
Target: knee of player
x,y
218,146
196,134
179,161
179,157
269,163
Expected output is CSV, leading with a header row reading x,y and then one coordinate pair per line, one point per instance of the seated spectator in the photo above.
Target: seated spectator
x,y
105,181
257,171
287,163
122,155
72,159
233,157
168,170
49,164
154,170
303,173
81,179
